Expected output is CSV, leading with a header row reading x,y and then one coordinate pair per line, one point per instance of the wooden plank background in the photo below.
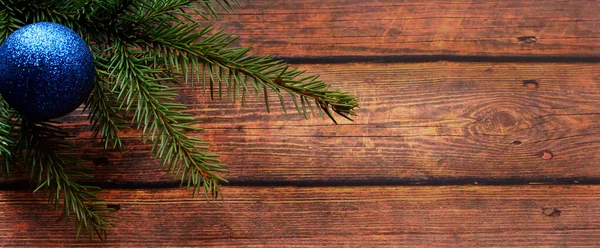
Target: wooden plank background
x,y
397,28
479,125
445,216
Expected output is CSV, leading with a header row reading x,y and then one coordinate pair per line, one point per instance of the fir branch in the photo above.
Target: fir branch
x,y
8,20
7,138
207,7
233,68
42,147
160,11
228,67
53,11
104,113
142,88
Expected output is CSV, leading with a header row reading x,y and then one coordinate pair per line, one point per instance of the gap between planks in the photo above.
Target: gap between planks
x,y
584,58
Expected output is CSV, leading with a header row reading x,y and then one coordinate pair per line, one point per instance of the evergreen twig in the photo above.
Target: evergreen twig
x,y
141,87
42,147
104,111
7,138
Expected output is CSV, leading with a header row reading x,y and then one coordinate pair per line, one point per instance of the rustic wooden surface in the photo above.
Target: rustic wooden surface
x,y
398,28
447,216
479,125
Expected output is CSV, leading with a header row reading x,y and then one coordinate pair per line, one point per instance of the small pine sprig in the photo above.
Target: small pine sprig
x,y
105,115
7,138
140,48
207,55
42,148
143,88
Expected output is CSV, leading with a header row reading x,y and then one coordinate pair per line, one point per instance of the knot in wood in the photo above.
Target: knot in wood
x,y
504,119
497,121
546,155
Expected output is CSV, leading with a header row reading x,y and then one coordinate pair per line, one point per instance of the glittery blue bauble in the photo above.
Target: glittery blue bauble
x,y
46,70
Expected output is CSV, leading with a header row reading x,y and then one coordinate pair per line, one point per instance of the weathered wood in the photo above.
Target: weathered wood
x,y
329,216
446,123
420,123
391,27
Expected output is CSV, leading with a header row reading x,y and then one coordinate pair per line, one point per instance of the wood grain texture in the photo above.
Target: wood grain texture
x,y
442,123
326,216
418,123
393,28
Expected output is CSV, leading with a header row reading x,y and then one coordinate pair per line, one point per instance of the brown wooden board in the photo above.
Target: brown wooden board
x,y
398,28
452,216
418,123
485,118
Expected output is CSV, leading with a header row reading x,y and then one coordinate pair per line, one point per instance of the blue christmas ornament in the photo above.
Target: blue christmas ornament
x,y
46,70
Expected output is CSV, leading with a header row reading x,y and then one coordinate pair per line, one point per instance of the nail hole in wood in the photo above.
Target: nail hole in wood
x,y
101,161
114,206
531,84
517,142
527,39
551,212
